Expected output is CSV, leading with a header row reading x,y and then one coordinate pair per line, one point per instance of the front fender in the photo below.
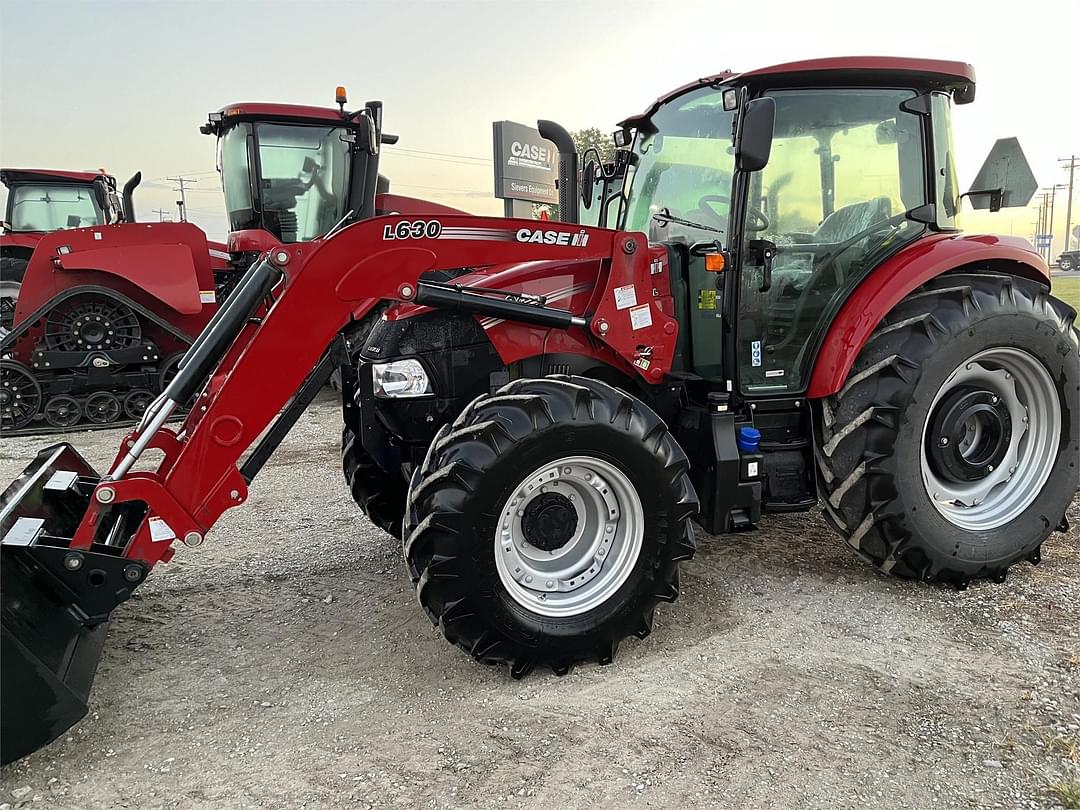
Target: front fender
x,y
900,275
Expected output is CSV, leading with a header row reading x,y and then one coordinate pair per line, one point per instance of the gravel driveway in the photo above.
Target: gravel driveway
x,y
285,663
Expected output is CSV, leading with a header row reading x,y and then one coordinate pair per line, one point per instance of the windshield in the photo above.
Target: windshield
x,y
684,166
303,184
45,207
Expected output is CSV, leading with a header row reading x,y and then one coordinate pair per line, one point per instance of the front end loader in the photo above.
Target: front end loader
x,y
786,313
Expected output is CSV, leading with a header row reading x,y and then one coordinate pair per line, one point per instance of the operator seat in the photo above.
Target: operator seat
x,y
846,222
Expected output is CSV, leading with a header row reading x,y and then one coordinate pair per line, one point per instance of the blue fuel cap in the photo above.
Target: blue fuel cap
x,y
748,439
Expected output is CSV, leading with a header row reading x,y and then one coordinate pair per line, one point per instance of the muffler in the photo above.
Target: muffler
x,y
55,601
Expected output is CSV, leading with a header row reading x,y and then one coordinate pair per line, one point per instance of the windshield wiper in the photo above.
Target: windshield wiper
x,y
665,217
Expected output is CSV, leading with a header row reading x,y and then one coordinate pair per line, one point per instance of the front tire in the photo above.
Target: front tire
x,y
952,450
381,495
548,522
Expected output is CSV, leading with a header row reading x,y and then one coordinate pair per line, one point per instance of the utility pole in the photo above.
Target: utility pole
x,y
161,212
182,202
1052,194
1072,161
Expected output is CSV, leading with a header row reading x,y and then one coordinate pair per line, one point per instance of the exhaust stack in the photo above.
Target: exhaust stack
x,y
568,168
129,192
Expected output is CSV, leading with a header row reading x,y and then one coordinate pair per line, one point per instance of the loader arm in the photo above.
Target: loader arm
x,y
254,369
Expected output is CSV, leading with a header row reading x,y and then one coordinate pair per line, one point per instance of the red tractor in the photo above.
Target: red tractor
x,y
42,201
105,313
787,314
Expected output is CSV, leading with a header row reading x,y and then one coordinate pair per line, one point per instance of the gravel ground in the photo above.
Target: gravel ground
x,y
285,663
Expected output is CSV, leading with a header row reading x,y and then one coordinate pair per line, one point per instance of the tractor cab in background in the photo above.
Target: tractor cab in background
x,y
41,201
290,173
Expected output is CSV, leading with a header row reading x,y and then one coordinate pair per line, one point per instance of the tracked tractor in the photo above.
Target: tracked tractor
x,y
42,201
786,315
105,313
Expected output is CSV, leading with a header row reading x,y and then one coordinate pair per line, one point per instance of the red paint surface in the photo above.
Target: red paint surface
x,y
895,278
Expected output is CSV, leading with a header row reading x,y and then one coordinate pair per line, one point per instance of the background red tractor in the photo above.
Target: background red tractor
x,y
788,314
41,201
105,313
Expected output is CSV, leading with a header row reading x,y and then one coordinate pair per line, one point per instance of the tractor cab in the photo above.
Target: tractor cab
x,y
293,172
46,200
784,188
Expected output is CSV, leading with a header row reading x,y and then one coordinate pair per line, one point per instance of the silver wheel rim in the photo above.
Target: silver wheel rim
x,y
597,558
1028,392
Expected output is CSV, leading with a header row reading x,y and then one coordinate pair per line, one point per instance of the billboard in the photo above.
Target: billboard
x,y
526,165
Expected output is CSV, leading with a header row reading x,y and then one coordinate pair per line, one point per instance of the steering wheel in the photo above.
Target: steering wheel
x,y
756,221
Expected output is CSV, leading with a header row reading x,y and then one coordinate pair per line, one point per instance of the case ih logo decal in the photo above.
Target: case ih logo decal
x,y
579,239
433,229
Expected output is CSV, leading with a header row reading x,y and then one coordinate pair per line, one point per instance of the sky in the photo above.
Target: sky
x,y
125,85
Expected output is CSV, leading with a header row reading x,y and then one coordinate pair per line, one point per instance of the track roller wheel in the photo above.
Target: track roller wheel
x,y
136,401
103,408
63,411
953,450
20,395
548,522
169,366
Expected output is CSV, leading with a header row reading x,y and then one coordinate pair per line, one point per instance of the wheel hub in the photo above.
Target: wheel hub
x,y
549,522
569,535
969,434
991,439
93,332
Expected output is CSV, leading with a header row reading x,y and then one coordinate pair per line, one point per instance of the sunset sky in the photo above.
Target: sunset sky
x,y
125,85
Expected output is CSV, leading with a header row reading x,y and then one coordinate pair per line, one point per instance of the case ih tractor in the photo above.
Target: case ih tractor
x,y
41,201
787,314
105,313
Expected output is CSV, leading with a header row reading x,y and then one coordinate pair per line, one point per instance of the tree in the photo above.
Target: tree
x,y
593,137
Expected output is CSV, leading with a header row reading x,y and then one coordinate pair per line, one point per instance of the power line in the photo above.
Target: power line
x,y
446,155
161,212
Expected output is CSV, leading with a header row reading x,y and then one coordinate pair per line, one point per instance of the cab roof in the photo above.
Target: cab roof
x,y
261,111
9,176
872,71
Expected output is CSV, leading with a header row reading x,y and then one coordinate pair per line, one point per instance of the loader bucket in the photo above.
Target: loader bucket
x,y
55,601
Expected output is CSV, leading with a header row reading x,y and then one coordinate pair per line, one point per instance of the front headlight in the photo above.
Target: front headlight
x,y
399,379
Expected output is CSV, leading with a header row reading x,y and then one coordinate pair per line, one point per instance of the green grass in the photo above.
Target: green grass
x,y
1068,290
1067,793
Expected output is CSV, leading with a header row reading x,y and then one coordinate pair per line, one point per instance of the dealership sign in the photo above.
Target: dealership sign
x,y
526,165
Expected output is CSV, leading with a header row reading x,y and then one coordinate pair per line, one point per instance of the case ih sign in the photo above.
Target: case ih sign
x,y
526,165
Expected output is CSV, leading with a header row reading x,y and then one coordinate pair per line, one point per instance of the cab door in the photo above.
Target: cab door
x,y
842,189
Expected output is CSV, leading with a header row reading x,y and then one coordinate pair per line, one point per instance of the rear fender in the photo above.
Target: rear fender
x,y
164,267
900,275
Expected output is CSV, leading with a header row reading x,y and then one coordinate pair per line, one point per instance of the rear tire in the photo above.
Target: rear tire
x,y
473,501
884,451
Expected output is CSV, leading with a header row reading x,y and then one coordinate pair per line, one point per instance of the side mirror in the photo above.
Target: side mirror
x,y
101,195
753,143
371,133
588,182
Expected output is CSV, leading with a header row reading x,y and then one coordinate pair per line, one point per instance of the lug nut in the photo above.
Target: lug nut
x,y
73,561
944,441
